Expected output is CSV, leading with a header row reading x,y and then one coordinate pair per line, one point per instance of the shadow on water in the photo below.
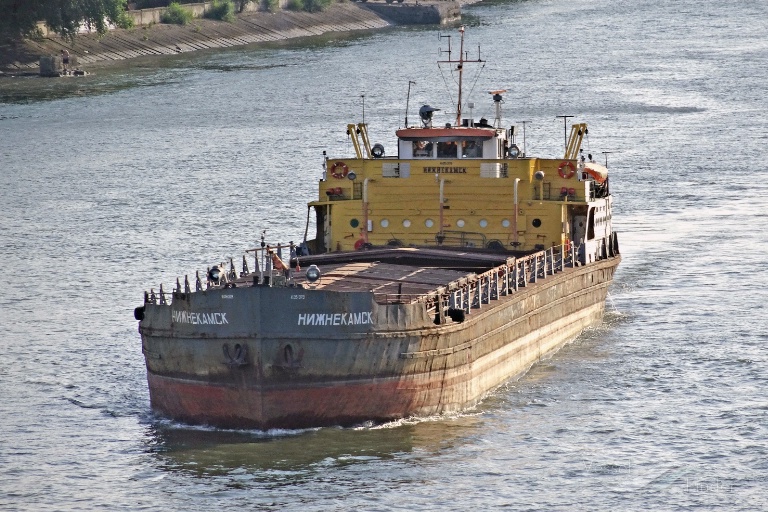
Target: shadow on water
x,y
212,453
32,89
159,70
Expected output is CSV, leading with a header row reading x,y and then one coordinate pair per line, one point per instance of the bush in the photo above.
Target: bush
x,y
316,5
223,10
308,5
271,5
148,4
176,14
125,20
295,5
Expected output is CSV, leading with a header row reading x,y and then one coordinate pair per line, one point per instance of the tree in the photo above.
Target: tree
x,y
18,18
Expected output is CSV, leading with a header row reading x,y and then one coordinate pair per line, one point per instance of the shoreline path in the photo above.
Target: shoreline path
x,y
92,50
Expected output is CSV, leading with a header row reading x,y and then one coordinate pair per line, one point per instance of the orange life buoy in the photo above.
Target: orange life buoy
x,y
566,169
339,170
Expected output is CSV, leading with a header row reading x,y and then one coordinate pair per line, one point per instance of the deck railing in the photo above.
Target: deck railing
x,y
464,294
473,292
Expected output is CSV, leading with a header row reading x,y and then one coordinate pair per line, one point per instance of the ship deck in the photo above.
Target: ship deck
x,y
384,278
392,274
397,271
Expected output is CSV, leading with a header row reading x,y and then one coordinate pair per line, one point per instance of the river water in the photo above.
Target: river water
x,y
135,175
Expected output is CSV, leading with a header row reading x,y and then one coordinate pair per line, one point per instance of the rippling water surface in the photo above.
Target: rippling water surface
x,y
133,176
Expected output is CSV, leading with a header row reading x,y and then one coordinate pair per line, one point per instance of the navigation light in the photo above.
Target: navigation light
x,y
313,273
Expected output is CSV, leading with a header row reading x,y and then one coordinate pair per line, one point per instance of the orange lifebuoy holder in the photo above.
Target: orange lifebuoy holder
x,y
339,170
566,170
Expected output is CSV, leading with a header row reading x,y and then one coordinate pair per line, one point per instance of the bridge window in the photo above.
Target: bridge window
x,y
472,149
422,149
446,149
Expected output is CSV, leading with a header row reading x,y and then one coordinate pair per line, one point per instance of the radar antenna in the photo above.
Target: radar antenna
x,y
498,100
425,113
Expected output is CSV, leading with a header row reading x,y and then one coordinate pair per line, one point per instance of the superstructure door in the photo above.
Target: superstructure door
x,y
323,227
579,229
327,234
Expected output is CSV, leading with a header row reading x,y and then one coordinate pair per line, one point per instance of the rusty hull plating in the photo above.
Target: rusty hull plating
x,y
255,356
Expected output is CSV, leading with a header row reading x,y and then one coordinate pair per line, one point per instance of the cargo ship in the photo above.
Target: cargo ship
x,y
434,276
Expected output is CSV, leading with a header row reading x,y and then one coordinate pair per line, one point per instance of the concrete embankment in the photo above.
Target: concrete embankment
x,y
92,50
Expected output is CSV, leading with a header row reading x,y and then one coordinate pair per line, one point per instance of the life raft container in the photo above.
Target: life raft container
x,y
596,172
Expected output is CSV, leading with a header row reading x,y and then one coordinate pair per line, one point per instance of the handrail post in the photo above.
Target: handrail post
x,y
573,255
551,256
516,274
562,258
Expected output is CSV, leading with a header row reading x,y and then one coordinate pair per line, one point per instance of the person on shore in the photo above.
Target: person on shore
x,y
65,59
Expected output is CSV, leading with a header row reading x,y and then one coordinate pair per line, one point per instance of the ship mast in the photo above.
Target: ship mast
x,y
459,68
461,74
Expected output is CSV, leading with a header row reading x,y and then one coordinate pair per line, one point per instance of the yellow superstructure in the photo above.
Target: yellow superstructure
x,y
490,198
465,184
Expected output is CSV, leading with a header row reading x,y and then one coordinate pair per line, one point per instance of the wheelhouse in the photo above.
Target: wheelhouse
x,y
453,143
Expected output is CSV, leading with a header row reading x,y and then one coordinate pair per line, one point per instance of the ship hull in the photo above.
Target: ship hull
x,y
393,368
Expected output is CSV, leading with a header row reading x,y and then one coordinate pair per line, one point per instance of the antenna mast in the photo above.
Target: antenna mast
x,y
461,74
459,68
565,131
407,99
524,148
606,153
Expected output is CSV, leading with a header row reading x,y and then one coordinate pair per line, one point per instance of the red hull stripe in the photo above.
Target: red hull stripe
x,y
241,407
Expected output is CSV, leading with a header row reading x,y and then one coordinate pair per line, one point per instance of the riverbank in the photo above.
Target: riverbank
x,y
92,50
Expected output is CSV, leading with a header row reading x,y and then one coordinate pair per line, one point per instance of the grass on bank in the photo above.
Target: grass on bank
x,y
225,10
149,4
